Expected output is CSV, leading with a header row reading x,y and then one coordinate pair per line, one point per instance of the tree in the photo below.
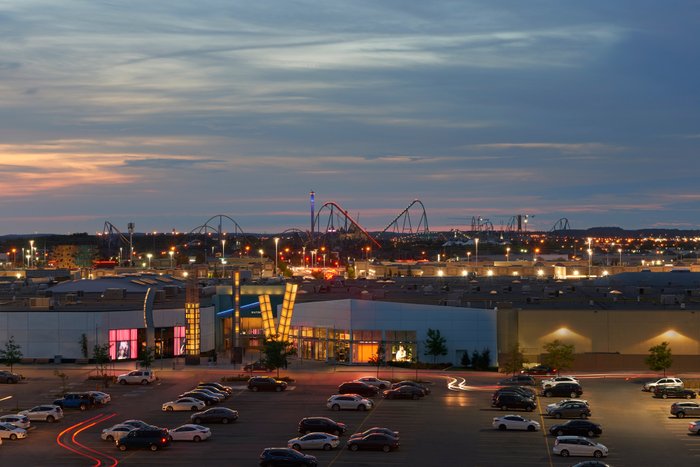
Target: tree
x,y
146,357
101,355
659,357
11,354
513,360
435,344
558,355
64,379
379,357
84,345
481,360
276,354
466,361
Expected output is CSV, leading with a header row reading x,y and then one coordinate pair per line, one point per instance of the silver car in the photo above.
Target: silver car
x,y
9,431
48,413
21,421
316,440
349,402
566,446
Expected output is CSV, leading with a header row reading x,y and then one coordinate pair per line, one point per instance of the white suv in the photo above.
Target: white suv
x,y
548,383
663,383
137,377
566,446
48,413
349,402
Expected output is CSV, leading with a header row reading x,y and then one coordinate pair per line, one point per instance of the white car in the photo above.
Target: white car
x,y
566,446
190,432
137,377
663,383
548,383
515,422
116,432
372,381
21,421
184,403
46,413
555,405
9,431
694,427
101,397
323,441
136,423
349,402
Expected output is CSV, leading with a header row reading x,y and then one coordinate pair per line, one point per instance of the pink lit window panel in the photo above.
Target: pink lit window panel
x,y
179,340
123,344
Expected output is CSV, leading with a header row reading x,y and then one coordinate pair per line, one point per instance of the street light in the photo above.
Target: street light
x,y
507,253
469,257
31,252
149,256
619,250
590,256
261,262
223,248
476,252
120,256
277,240
171,253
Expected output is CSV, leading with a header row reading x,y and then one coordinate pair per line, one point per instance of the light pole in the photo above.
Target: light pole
x,y
619,250
303,256
476,253
14,257
590,257
120,256
31,252
223,248
149,256
507,253
277,240
171,253
324,261
469,258
261,262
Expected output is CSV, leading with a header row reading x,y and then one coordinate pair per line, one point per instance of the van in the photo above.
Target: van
x,y
137,377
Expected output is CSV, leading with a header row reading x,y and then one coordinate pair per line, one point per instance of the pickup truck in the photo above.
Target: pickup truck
x,y
76,400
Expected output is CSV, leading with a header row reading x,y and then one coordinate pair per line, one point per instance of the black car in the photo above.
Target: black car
x,y
212,384
591,464
576,428
321,425
144,438
521,390
678,393
257,366
9,377
356,387
212,389
404,392
514,401
540,370
215,415
286,457
209,400
572,390
266,383
426,389
518,380
374,442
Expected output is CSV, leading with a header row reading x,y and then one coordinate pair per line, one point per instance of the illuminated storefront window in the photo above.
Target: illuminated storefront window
x,y
123,344
179,340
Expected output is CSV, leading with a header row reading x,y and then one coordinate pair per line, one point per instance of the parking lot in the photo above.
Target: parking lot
x,y
452,426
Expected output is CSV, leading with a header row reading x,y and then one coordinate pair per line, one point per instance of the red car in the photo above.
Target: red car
x,y
540,370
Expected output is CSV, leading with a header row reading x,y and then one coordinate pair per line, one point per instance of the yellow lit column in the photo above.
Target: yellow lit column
x,y
290,294
268,319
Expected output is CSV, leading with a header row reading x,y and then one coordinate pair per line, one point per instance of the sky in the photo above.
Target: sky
x,y
166,113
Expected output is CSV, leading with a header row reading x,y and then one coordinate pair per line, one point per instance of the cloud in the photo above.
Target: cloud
x,y
170,163
566,148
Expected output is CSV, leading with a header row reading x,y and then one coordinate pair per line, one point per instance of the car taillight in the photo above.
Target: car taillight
x,y
163,440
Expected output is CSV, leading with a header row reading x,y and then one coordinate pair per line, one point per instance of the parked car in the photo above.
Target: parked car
x,y
349,402
116,432
524,391
591,464
9,377
144,438
266,383
321,424
514,401
100,397
572,390
257,366
372,381
213,384
137,424
518,380
578,446
21,421
48,413
356,387
374,442
376,429
318,440
284,457
137,377
694,427
570,410
539,370
681,409
576,427
190,432
557,380
554,405
12,432
674,392
216,395
669,382
76,400
515,422
215,415
206,398
425,388
183,403
217,392
404,392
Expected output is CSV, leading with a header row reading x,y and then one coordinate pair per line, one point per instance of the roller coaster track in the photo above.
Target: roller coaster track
x,y
561,224
336,213
402,224
111,235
